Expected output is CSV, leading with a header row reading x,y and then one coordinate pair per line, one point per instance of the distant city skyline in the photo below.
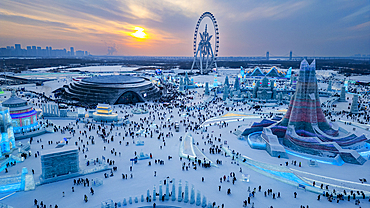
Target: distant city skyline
x,y
166,27
37,51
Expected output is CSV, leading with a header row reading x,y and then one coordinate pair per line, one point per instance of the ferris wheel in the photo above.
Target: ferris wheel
x,y
207,54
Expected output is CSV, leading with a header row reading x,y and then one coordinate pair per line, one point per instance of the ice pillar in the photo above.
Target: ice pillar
x,y
342,97
204,201
354,106
179,198
329,86
225,95
181,88
192,195
173,190
198,198
167,197
154,194
160,191
48,110
186,199
206,90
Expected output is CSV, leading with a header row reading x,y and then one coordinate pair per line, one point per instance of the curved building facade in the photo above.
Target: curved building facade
x,y
112,89
24,117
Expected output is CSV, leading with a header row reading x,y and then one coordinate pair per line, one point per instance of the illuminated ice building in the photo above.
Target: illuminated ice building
x,y
304,128
7,141
24,117
104,113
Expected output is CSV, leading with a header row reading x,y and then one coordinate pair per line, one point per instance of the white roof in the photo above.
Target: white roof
x,y
58,150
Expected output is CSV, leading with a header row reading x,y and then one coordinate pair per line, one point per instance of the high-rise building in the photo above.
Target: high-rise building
x,y
18,49
48,51
267,55
29,51
39,51
80,53
72,51
34,51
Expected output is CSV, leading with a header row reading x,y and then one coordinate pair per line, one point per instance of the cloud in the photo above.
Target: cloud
x,y
271,10
360,12
141,12
246,26
34,22
365,25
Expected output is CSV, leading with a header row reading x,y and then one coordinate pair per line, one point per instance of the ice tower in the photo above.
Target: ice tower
x,y
304,127
304,110
354,106
7,141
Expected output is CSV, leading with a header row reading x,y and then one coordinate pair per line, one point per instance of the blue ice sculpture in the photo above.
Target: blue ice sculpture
x,y
186,200
179,198
167,197
154,194
204,202
198,198
192,195
160,191
173,190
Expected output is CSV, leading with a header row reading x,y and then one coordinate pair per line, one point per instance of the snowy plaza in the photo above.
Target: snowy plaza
x,y
188,152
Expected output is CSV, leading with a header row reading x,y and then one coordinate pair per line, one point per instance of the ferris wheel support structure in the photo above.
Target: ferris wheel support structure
x,y
207,55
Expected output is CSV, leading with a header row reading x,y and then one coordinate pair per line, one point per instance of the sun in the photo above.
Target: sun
x,y
139,33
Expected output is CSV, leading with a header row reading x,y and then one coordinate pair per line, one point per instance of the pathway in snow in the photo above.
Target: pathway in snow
x,y
229,117
333,182
291,177
188,150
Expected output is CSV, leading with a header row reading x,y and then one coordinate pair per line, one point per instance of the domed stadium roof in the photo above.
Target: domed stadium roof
x,y
111,89
114,79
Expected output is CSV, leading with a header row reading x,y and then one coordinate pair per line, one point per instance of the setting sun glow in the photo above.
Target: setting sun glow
x,y
139,33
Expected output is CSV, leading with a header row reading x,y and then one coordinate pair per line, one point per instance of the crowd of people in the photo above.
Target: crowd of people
x,y
159,124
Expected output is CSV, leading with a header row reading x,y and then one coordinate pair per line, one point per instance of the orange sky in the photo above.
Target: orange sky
x,y
247,28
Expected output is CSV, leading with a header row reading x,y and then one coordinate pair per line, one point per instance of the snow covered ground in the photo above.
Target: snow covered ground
x,y
117,189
